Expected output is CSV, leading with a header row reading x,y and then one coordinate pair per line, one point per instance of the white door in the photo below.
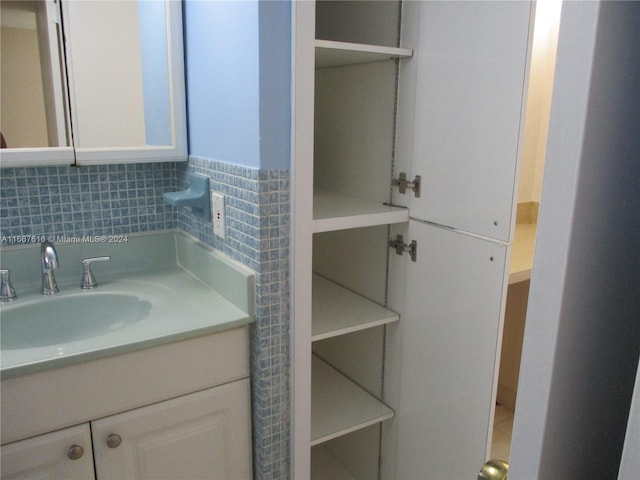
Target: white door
x,y
62,455
467,79
583,303
204,435
460,110
442,354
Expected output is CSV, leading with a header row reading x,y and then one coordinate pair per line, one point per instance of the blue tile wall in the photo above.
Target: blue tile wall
x,y
93,200
119,199
257,234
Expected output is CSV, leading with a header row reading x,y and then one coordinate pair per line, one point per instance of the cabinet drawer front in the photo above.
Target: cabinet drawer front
x,y
47,456
205,435
83,392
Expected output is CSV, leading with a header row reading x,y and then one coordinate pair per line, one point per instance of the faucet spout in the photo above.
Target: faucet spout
x,y
49,258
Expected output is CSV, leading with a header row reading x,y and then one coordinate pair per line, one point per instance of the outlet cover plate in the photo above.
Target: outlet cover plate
x,y
217,214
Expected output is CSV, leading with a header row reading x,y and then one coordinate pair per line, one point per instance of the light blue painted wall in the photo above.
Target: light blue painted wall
x,y
275,84
238,76
238,64
222,73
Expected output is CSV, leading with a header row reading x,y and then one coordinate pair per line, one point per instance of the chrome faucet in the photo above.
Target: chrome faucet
x,y
49,264
7,292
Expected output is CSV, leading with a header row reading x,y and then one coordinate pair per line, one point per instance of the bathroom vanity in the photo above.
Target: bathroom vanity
x,y
167,395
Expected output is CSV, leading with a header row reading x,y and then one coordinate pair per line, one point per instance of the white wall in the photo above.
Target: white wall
x,y
582,338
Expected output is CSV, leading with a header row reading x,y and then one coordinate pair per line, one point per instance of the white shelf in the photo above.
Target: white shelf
x,y
336,54
339,406
338,311
324,466
336,211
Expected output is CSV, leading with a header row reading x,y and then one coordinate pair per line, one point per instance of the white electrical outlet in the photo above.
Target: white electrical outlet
x,y
217,213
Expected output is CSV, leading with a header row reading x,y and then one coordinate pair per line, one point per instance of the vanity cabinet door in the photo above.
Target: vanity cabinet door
x,y
65,454
204,435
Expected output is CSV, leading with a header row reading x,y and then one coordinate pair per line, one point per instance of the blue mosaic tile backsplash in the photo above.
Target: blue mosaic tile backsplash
x,y
257,235
66,201
69,201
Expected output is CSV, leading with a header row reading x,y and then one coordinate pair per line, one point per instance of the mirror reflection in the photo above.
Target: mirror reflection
x,y
118,61
33,102
111,91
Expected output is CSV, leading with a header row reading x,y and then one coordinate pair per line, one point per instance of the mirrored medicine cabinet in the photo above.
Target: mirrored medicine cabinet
x,y
91,82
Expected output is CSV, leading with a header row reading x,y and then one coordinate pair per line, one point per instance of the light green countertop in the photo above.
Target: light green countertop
x,y
196,291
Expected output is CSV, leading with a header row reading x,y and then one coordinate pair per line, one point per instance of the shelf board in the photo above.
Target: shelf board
x,y
336,211
324,466
339,406
338,311
337,54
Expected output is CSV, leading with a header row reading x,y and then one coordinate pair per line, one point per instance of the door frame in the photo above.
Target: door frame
x,y
302,107
576,334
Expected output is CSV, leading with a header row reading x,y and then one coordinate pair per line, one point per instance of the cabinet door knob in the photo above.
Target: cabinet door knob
x,y
75,452
114,440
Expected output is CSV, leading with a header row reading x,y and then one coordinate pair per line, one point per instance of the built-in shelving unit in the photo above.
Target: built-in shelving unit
x,y
338,311
356,68
324,466
336,211
369,112
336,54
339,406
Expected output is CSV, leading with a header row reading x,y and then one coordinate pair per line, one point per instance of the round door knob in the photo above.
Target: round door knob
x,y
75,452
494,470
114,440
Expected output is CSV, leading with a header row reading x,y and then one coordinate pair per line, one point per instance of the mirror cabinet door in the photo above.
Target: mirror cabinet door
x,y
126,97
126,79
34,120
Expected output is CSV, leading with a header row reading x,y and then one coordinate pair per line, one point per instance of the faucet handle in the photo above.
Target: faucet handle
x,y
88,280
7,292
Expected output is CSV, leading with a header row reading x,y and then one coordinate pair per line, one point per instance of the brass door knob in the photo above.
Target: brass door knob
x,y
494,470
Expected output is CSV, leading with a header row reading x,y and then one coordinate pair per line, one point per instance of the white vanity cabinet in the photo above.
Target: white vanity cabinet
x,y
62,455
180,410
201,435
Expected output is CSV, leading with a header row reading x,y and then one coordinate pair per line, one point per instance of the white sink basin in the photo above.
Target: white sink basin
x,y
58,320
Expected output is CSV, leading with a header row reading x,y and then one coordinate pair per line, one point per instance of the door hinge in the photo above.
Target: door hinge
x,y
53,12
400,247
402,183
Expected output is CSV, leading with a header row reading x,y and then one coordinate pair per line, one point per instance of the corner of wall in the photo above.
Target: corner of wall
x,y
257,210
